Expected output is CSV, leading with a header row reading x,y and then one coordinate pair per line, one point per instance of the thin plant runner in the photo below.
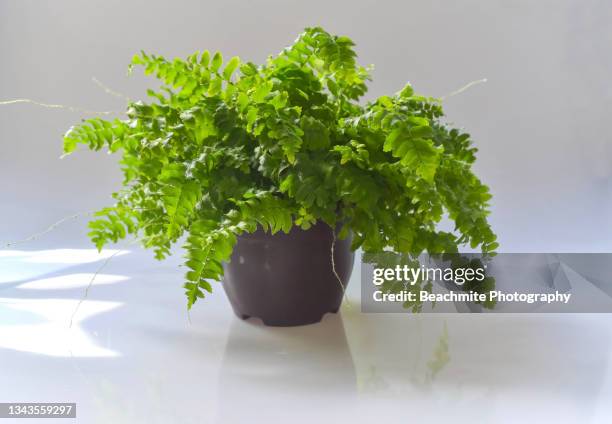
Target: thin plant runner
x,y
223,149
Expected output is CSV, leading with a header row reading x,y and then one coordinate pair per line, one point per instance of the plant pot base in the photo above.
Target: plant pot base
x,y
288,280
275,322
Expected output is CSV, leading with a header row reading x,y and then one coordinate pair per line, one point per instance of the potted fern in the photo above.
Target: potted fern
x,y
275,174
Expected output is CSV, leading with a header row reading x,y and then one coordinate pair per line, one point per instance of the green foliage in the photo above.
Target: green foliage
x,y
221,149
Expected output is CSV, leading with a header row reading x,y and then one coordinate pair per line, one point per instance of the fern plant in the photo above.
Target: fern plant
x,y
223,148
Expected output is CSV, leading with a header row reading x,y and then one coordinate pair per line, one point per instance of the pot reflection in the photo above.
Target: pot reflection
x,y
276,365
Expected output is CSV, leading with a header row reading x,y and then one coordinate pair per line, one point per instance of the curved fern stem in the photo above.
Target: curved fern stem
x,y
333,264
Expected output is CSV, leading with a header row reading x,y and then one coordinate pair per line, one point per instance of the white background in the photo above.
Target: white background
x,y
541,121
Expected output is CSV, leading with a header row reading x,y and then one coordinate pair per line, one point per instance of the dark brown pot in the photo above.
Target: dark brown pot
x,y
287,279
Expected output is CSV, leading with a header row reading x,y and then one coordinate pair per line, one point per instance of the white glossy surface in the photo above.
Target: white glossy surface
x,y
540,122
131,355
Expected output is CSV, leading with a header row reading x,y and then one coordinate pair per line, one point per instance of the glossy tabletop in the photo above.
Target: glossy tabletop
x,y
133,355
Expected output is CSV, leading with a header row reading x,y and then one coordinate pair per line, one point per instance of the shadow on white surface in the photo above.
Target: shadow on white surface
x,y
38,324
19,265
